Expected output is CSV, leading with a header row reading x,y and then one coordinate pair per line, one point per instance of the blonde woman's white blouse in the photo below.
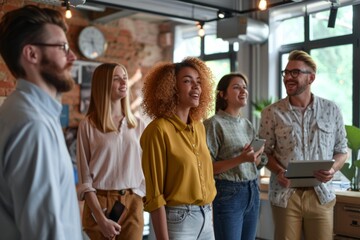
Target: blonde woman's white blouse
x,y
109,161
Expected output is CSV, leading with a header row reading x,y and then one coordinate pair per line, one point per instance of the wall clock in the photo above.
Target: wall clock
x,y
92,42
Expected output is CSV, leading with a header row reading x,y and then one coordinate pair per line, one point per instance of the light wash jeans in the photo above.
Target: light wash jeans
x,y
236,210
188,222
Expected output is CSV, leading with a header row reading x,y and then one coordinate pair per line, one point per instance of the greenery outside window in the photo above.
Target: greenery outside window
x,y
319,22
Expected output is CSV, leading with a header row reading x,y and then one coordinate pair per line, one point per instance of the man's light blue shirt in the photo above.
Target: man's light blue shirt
x,y
37,186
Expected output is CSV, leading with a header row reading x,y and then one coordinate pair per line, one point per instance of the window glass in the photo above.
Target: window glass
x,y
187,47
284,61
236,46
219,68
334,79
319,23
291,30
215,45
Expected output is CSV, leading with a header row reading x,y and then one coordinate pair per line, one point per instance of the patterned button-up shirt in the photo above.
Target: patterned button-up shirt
x,y
291,133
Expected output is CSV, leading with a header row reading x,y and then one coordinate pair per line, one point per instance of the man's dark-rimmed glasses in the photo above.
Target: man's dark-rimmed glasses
x,y
64,46
294,72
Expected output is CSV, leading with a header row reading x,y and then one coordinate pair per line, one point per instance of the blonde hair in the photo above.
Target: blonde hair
x,y
100,100
298,55
160,89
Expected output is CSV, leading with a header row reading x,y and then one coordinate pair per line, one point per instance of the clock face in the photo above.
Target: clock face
x,y
92,43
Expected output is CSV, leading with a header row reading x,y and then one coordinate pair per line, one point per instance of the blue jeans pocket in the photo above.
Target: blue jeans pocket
x,y
176,215
225,193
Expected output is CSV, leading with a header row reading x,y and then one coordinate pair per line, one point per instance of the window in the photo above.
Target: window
x,y
334,78
187,47
319,22
215,45
332,50
291,30
219,68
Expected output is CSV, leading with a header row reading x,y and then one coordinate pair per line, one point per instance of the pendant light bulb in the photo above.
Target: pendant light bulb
x,y
262,5
68,13
201,32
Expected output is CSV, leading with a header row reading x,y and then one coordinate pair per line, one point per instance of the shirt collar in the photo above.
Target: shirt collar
x,y
49,104
310,107
180,125
226,115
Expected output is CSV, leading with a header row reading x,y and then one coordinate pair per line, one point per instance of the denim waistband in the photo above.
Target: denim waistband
x,y
233,183
189,207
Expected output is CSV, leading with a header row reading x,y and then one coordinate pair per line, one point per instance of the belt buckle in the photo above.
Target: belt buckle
x,y
122,192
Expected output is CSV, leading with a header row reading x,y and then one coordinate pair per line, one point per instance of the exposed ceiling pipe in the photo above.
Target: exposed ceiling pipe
x,y
182,9
162,8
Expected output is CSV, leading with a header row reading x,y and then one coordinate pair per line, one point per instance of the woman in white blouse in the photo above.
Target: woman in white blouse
x,y
109,158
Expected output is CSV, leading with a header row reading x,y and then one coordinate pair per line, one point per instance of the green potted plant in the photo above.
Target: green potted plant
x,y
352,170
260,104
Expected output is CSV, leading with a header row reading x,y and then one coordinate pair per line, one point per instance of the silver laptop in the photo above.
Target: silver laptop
x,y
301,173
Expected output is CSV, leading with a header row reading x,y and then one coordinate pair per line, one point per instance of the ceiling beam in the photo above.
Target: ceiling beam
x,y
192,10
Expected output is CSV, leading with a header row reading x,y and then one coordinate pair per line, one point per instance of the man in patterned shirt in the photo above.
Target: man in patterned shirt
x,y
302,126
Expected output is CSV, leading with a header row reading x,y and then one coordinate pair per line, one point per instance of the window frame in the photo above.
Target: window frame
x,y
308,45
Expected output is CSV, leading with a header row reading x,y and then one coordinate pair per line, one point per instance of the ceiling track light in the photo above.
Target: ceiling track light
x,y
332,16
224,14
221,14
262,5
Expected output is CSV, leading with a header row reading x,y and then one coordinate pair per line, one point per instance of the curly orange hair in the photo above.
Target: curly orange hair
x,y
160,90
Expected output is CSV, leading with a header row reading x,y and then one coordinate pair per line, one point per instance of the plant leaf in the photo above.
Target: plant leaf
x,y
348,171
353,136
357,163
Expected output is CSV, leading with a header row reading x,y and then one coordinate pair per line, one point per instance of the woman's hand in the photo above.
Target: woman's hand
x,y
247,154
109,228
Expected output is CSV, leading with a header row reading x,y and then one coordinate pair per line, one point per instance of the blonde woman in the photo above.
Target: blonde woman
x,y
176,161
109,158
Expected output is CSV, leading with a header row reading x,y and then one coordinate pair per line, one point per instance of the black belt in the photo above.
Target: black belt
x,y
122,192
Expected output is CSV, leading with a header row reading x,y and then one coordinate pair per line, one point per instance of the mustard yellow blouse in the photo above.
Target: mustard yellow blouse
x,y
176,164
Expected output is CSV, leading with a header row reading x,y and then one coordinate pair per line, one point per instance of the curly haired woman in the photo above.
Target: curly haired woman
x,y
176,161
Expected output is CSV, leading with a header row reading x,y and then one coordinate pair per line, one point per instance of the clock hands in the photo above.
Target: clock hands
x,y
92,42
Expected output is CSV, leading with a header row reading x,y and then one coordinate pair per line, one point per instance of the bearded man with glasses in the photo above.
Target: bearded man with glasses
x,y
37,185
305,127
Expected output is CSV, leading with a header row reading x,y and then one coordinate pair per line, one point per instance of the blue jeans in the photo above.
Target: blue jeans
x,y
236,210
188,222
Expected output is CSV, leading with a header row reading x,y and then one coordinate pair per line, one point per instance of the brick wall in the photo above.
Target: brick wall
x,y
137,44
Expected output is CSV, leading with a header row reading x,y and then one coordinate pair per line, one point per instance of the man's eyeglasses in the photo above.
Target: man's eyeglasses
x,y
64,46
294,73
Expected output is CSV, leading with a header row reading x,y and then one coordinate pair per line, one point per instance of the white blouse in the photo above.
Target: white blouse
x,y
109,161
